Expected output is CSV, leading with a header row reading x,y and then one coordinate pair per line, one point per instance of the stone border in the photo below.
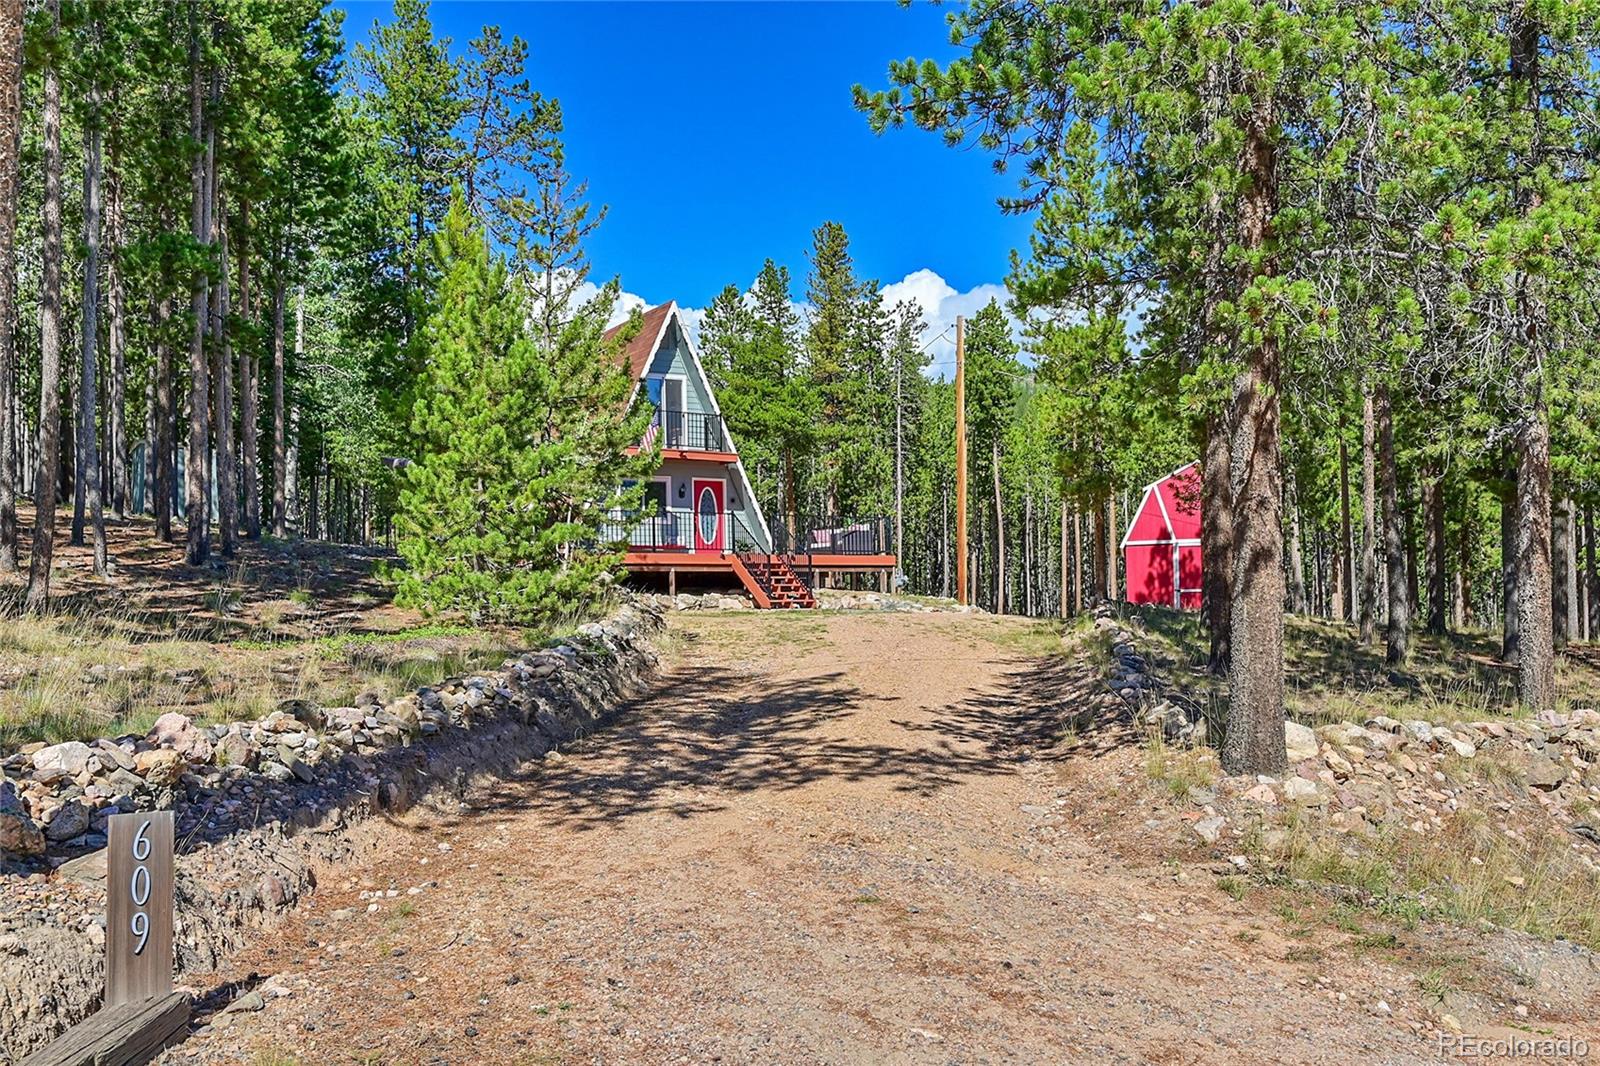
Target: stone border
x,y
261,805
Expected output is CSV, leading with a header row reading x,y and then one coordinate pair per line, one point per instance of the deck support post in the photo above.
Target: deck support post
x,y
672,581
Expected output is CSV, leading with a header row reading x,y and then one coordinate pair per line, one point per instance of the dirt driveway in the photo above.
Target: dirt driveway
x,y
823,838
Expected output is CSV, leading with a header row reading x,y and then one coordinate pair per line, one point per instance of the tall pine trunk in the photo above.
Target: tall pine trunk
x,y
1216,540
1254,740
222,369
1591,577
196,502
164,440
1511,636
46,483
10,163
249,392
280,515
89,480
1345,558
1369,520
999,535
1397,632
1560,561
1297,602
117,337
1438,548
1536,680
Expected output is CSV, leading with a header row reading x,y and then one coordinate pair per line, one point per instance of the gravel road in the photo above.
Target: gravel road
x,y
822,838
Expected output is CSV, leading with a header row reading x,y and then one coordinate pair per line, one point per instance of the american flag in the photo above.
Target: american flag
x,y
651,434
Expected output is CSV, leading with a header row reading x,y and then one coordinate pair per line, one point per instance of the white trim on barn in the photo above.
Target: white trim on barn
x,y
1165,517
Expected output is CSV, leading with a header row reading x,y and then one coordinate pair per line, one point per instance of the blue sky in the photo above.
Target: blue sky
x,y
719,134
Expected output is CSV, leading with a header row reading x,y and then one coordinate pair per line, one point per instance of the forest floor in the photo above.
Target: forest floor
x,y
855,838
1330,676
227,640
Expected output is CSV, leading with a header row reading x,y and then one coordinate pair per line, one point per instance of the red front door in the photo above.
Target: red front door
x,y
708,515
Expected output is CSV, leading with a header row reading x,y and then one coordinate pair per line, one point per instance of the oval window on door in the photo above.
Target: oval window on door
x,y
708,515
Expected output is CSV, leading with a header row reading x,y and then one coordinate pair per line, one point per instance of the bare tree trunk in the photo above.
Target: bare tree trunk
x,y
1297,574
1560,571
197,504
1077,562
1369,520
1066,561
1463,604
1591,626
164,442
249,391
1113,549
1511,636
280,516
117,335
1536,677
1398,631
291,475
999,537
1254,740
1345,559
10,165
1216,541
88,431
1027,555
46,484
222,381
1438,549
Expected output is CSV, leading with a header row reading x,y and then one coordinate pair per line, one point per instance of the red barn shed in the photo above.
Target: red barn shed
x,y
1161,551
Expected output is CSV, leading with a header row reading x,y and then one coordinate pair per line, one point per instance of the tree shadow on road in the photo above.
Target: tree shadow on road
x,y
704,733
1043,708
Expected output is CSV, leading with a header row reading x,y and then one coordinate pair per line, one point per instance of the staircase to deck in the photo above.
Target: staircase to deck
x,y
773,582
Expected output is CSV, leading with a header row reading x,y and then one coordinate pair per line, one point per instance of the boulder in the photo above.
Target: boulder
x,y
1299,790
161,768
69,820
1540,771
18,834
62,760
178,732
1300,741
234,750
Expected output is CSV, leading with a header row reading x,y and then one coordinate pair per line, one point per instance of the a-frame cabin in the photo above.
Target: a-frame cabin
x,y
704,519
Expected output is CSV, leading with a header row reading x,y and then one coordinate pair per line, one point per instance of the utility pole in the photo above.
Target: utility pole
x,y
961,460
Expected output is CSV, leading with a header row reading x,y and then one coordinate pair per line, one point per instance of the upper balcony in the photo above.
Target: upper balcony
x,y
688,435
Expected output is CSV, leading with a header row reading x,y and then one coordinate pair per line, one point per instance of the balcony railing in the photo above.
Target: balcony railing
x,y
691,430
663,532
833,535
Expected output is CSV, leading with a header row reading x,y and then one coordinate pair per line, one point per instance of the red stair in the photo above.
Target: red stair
x,y
781,584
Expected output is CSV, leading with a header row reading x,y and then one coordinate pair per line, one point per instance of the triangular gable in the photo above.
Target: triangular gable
x,y
657,319
1169,510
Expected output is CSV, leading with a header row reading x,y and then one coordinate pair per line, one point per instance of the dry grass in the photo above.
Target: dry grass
x,y
1469,872
65,678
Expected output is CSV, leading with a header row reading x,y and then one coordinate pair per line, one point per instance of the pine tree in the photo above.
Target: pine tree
x,y
522,448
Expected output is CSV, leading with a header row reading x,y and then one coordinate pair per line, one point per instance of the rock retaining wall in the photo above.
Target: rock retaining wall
x,y
260,806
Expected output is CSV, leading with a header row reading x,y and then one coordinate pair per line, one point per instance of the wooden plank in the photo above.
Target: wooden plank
x,y
126,1034
138,906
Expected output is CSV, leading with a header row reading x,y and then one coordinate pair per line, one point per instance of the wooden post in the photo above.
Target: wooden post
x,y
961,460
138,906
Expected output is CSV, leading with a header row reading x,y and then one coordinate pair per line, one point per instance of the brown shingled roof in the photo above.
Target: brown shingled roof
x,y
643,346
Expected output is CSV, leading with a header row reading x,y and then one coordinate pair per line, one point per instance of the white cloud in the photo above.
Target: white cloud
x,y
940,302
